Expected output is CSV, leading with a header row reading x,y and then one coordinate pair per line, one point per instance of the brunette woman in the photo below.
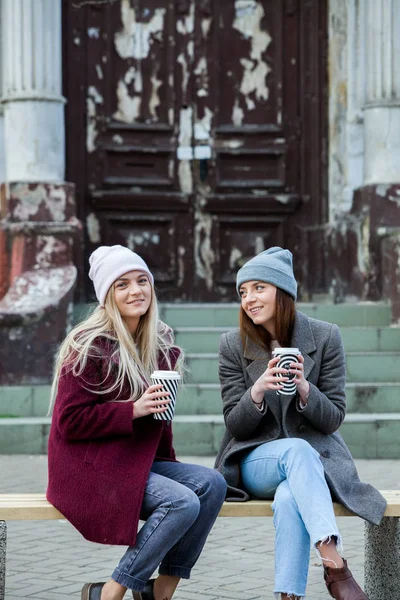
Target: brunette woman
x,y
288,447
110,462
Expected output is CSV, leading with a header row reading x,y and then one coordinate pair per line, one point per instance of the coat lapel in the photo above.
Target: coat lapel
x,y
303,338
259,359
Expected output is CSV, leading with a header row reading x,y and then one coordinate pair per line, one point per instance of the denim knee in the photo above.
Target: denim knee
x,y
284,499
217,485
300,449
188,506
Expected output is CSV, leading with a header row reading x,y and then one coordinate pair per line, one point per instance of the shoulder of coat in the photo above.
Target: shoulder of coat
x,y
232,335
317,326
231,339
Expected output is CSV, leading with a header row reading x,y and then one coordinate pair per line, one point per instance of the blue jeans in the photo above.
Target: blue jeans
x,y
290,471
181,502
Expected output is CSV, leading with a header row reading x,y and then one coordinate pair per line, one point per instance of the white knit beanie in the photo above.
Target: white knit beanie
x,y
107,263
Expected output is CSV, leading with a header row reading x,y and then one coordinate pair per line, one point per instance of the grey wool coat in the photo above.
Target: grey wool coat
x,y
247,427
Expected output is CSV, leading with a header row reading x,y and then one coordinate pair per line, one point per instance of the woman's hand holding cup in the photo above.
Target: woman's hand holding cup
x,y
268,380
303,387
149,403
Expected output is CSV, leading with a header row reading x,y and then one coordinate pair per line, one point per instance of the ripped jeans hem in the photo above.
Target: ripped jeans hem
x,y
326,540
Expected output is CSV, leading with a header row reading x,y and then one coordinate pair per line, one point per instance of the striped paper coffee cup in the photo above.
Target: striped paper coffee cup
x,y
170,381
286,356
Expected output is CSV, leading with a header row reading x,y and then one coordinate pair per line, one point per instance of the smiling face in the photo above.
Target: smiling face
x,y
258,302
133,294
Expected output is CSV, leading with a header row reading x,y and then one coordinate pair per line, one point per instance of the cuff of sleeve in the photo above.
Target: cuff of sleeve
x,y
300,404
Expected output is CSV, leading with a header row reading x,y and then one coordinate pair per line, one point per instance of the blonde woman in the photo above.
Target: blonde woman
x,y
110,462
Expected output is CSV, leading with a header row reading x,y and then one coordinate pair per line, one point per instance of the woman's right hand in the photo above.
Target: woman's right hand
x,y
268,380
150,402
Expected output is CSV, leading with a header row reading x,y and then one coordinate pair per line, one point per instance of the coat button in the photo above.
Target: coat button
x,y
301,428
326,453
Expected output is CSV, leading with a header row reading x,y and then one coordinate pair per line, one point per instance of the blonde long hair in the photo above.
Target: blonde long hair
x,y
136,357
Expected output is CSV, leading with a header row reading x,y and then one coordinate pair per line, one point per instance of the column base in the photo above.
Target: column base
x,y
3,545
382,144
37,277
382,559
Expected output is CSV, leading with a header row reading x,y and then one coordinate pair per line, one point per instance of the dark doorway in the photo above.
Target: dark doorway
x,y
196,132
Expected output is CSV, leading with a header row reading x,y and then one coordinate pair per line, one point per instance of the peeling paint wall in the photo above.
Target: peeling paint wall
x,y
204,252
364,90
362,73
249,16
346,102
135,40
2,149
94,99
38,228
185,139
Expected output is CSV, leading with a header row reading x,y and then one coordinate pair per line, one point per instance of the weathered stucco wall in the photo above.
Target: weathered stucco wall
x,y
2,150
361,238
346,100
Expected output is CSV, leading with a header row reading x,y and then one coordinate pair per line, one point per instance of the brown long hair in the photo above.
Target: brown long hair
x,y
285,312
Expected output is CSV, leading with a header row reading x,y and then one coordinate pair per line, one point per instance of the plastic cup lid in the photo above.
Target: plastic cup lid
x,y
278,351
165,375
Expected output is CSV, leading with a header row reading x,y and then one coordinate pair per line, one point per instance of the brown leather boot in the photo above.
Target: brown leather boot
x,y
342,585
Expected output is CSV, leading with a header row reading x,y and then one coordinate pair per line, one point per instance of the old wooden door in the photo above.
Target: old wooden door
x,y
196,132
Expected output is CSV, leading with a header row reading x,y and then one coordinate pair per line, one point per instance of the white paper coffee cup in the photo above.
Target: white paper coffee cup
x,y
170,381
286,356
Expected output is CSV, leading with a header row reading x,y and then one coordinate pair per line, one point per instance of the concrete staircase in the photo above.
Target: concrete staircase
x,y
372,425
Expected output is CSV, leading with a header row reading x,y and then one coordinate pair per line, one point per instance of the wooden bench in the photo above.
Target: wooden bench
x,y
382,544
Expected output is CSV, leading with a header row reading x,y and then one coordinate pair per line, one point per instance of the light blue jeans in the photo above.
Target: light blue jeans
x,y
181,502
290,471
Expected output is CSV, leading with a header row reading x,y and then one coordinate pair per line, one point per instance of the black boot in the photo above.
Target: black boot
x,y
91,591
147,593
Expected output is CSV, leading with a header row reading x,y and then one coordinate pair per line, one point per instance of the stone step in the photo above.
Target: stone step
x,y
368,436
361,366
226,314
205,399
364,339
202,399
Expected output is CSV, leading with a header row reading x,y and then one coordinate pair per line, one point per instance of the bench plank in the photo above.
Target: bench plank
x,y
19,507
382,564
263,508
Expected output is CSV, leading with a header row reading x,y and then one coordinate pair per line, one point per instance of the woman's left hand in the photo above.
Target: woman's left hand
x,y
303,387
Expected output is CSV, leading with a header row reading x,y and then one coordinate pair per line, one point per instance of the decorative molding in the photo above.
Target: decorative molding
x,y
31,50
382,25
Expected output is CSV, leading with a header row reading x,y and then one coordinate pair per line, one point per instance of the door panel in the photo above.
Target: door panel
x,y
204,132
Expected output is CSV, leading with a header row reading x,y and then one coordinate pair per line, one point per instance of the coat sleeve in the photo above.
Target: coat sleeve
x,y
326,406
81,414
241,415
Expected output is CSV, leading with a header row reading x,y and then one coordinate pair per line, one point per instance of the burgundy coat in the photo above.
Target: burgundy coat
x,y
99,459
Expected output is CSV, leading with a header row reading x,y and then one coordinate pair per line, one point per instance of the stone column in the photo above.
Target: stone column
x,y
382,92
33,104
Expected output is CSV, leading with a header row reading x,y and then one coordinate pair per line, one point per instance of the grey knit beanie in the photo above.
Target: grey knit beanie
x,y
275,266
